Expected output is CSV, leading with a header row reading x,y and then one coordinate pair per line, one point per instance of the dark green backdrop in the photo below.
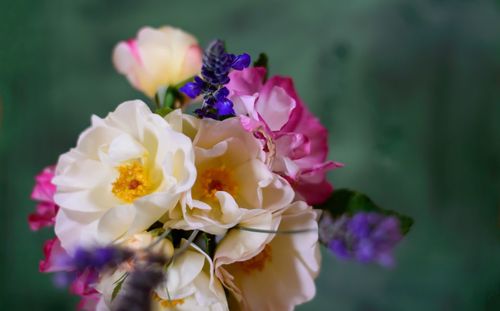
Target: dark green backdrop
x,y
410,91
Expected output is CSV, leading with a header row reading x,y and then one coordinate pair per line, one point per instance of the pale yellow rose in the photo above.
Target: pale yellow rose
x,y
232,179
267,272
158,58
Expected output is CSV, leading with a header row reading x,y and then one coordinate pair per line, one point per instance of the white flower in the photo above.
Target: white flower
x,y
126,171
232,179
158,58
271,272
189,283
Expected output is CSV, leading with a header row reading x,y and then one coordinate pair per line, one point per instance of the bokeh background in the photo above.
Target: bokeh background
x,y
410,91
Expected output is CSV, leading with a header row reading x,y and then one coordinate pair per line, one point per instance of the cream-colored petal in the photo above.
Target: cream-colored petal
x,y
124,148
252,176
284,276
69,225
115,222
184,270
87,176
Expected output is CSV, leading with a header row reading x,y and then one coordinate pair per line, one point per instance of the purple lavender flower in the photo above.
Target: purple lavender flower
x,y
217,64
365,237
91,260
98,258
88,261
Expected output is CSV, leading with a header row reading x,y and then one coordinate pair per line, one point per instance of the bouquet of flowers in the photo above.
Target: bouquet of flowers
x,y
214,199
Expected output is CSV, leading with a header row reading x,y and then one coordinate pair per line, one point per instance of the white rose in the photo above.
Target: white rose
x,y
189,284
126,171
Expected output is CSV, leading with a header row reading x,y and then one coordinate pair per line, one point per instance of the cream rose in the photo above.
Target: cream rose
x,y
189,283
126,171
158,58
267,272
232,179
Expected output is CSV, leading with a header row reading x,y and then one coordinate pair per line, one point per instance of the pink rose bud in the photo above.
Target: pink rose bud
x,y
158,58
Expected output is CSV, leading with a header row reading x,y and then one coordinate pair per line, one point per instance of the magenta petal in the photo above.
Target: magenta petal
x,y
293,145
43,217
134,50
43,192
314,193
54,257
44,189
83,286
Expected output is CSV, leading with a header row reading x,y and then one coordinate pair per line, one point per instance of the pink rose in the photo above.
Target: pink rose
x,y
274,111
43,192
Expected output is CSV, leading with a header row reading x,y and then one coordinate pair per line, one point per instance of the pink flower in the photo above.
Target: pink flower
x,y
55,260
274,111
83,287
53,253
43,192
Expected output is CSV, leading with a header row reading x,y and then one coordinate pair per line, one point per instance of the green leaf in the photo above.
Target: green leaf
x,y
210,244
206,242
157,232
118,286
163,111
262,61
171,95
345,201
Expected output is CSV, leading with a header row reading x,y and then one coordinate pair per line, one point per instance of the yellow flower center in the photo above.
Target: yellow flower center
x,y
258,262
215,179
132,183
167,303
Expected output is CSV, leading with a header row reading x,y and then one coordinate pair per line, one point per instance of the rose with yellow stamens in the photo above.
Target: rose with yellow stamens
x,y
189,282
126,171
132,183
232,179
263,270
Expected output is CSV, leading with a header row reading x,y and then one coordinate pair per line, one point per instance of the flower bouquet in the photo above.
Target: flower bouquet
x,y
214,199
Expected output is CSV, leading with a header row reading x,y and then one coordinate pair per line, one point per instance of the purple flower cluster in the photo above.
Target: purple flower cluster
x,y
217,64
99,258
90,262
365,237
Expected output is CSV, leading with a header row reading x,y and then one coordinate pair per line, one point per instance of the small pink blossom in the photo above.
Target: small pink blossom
x,y
53,253
299,139
43,193
55,260
83,287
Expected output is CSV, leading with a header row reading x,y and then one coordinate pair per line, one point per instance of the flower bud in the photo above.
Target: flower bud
x,y
158,58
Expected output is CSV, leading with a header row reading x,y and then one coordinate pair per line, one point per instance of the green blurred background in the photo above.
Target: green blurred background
x,y
410,91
